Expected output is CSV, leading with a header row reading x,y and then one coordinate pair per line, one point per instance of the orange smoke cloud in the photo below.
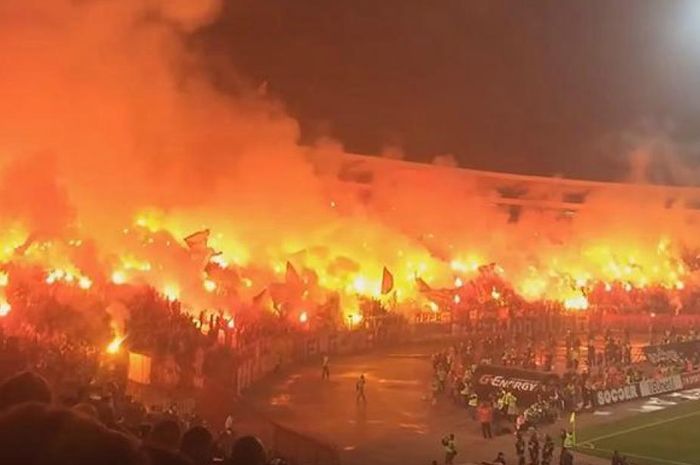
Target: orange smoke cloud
x,y
113,137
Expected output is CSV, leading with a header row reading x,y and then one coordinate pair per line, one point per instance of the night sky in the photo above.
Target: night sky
x,y
540,87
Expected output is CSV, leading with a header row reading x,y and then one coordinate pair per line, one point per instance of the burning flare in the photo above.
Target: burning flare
x,y
116,344
166,186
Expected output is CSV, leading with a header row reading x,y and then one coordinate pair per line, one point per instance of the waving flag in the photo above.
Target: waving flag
x,y
198,241
422,285
198,244
387,281
291,276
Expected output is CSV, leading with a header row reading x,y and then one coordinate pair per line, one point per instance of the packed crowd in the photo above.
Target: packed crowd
x,y
538,450
103,425
71,385
608,363
84,381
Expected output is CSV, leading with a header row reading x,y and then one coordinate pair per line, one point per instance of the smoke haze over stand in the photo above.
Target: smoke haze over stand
x,y
112,132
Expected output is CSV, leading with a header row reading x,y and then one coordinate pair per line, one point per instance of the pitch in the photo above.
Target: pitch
x,y
669,435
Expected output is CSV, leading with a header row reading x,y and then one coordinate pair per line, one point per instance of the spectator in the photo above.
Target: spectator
x,y
533,447
485,416
24,387
225,442
165,435
40,434
520,448
248,450
228,424
197,445
566,458
448,442
616,459
86,409
157,456
547,450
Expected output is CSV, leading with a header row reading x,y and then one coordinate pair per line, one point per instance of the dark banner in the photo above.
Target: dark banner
x,y
676,352
524,384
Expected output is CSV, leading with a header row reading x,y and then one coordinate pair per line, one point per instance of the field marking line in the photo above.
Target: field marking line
x,y
645,457
645,426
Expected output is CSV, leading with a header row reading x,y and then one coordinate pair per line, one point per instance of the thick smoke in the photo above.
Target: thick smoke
x,y
107,90
30,179
106,116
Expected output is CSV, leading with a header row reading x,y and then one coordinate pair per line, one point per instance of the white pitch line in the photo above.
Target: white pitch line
x,y
640,427
656,459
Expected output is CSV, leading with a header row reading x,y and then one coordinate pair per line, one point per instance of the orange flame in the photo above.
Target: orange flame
x,y
115,345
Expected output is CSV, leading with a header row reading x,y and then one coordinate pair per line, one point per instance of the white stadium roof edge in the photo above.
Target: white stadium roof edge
x,y
359,173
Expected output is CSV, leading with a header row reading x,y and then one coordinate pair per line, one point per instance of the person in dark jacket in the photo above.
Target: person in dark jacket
x,y
520,449
165,435
616,458
566,457
248,450
197,445
533,448
547,450
500,459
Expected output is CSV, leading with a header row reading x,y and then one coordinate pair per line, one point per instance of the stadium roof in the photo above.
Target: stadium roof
x,y
511,190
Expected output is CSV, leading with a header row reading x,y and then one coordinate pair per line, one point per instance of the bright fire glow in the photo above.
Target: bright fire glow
x,y
116,344
579,302
171,292
209,285
219,260
360,285
464,266
4,309
118,277
318,276
274,227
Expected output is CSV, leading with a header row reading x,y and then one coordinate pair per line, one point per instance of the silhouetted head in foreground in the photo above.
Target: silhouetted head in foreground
x,y
158,456
197,444
24,387
165,435
41,434
248,450
86,409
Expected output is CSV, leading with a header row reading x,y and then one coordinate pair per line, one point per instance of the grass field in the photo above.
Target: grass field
x,y
667,437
